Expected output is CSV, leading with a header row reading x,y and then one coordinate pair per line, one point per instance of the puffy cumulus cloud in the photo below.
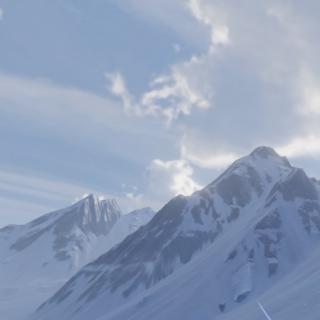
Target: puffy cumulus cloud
x,y
177,174
166,179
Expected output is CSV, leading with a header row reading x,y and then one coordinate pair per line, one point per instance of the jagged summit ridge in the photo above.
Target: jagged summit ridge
x,y
93,214
88,216
52,248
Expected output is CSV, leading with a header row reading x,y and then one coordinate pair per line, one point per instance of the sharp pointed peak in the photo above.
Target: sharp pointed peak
x,y
96,198
95,201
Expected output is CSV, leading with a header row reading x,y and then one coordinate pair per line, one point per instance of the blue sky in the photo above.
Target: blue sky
x,y
141,100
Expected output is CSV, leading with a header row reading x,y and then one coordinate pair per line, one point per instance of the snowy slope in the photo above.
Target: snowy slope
x,y
206,255
39,257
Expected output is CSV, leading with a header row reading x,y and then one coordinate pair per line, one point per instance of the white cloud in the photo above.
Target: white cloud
x,y
258,55
305,146
73,115
220,35
204,13
169,96
311,95
181,91
196,9
173,95
118,88
308,87
1,14
166,179
208,160
177,174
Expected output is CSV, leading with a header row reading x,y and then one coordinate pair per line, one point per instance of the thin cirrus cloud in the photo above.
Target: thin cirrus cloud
x,y
56,121
25,196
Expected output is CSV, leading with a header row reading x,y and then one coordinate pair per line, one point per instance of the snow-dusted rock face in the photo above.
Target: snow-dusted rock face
x,y
39,257
214,250
210,253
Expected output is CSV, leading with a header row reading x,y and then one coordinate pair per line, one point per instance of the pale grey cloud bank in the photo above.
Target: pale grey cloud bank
x,y
160,105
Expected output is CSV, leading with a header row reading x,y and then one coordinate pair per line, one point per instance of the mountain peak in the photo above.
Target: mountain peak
x,y
95,214
95,203
264,152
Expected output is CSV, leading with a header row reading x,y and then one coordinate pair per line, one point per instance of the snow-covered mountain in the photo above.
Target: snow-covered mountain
x,y
39,257
205,256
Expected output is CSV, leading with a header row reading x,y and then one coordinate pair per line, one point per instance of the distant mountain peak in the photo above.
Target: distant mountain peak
x,y
47,251
94,206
